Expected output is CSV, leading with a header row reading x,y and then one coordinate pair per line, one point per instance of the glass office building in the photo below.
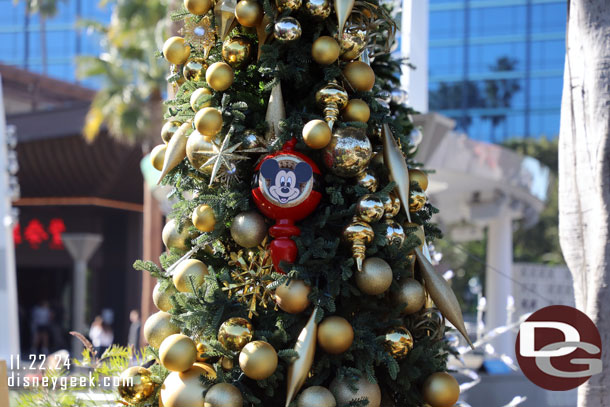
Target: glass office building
x,y
496,66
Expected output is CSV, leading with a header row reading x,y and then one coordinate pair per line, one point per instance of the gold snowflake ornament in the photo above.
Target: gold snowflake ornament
x,y
199,33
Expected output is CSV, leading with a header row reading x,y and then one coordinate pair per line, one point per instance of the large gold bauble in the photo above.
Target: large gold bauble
x,y
325,50
157,327
316,396
358,234
174,240
184,389
168,130
208,122
177,353
411,293
441,390
367,179
352,42
194,69
189,270
348,152
398,342
287,29
335,335
343,393
291,5
157,156
258,360
356,110
235,333
223,395
420,177
375,277
204,218
360,76
162,298
197,99
249,13
316,134
136,384
220,76
293,298
391,205
176,50
317,8
369,208
198,147
248,229
394,233
198,7
417,200
236,51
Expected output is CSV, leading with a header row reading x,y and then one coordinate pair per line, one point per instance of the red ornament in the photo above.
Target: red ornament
x,y
286,188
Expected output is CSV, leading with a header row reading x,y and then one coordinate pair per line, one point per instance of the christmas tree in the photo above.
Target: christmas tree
x,y
297,271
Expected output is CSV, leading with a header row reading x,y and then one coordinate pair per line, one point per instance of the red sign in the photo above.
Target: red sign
x,y
35,234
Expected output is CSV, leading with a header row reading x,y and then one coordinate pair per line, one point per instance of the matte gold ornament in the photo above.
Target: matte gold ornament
x,y
343,9
177,353
287,29
258,360
369,208
198,7
176,150
300,367
394,233
418,201
367,179
194,69
352,42
174,239
356,110
398,342
360,76
395,162
316,134
420,177
226,363
348,153
276,112
158,327
208,121
441,390
249,229
335,335
292,5
136,384
358,234
325,50
391,205
204,218
332,98
220,76
376,276
224,13
162,298
185,389
201,98
319,9
316,396
411,293
223,395
235,333
157,156
249,13
168,130
293,297
176,50
189,271
236,51
342,390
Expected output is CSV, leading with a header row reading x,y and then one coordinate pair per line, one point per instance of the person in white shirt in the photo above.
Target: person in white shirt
x,y
101,335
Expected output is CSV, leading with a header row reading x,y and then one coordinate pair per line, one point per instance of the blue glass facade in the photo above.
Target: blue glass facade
x,y
496,66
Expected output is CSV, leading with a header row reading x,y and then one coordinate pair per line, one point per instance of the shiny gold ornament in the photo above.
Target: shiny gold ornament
x,y
348,152
176,50
200,33
224,16
198,151
189,272
258,360
418,201
226,363
369,208
236,51
168,130
411,293
200,99
353,42
194,69
158,327
358,234
136,385
342,390
220,76
398,342
235,333
394,233
198,7
360,76
204,218
174,239
441,390
248,229
391,205
162,298
201,350
316,134
176,150
319,9
332,98
420,177
306,349
253,143
157,156
185,389
356,110
335,335
177,353
343,9
223,395
276,112
395,162
316,396
367,179
376,276
291,5
249,13
293,297
325,50
287,29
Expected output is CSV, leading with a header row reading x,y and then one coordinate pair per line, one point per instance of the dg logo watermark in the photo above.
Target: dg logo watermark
x,y
559,348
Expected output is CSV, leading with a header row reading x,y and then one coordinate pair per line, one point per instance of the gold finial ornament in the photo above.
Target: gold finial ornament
x,y
332,98
300,367
358,234
176,150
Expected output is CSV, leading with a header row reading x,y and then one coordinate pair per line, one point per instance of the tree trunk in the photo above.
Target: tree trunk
x,y
584,174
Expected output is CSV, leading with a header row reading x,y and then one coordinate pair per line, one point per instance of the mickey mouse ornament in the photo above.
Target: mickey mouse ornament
x,y
286,187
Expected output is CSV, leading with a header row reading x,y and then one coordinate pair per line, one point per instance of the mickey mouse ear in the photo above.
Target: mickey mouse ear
x,y
303,172
269,168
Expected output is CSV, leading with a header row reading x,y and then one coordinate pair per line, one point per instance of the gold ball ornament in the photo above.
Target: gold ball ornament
x,y
417,200
168,130
369,208
184,389
248,229
223,395
398,342
348,152
235,333
176,50
162,298
189,270
194,69
197,147
316,134
198,97
226,363
325,50
319,9
136,384
174,239
177,353
293,298
258,360
249,13
391,205
367,179
335,335
375,277
360,76
352,42
316,396
441,390
198,7
287,29
208,122
220,76
411,293
292,5
158,327
356,110
342,390
394,233
157,156
420,177
204,218
236,51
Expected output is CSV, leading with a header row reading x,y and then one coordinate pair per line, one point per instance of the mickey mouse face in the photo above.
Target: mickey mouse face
x,y
285,183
